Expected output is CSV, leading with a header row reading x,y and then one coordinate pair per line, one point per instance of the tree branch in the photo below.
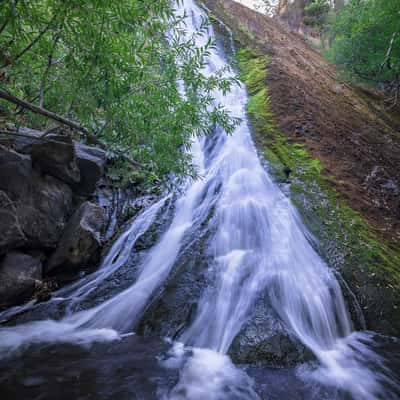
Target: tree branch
x,y
386,61
64,121
39,110
31,44
3,26
49,64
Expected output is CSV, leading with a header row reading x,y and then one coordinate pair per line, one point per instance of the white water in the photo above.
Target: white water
x,y
117,256
260,245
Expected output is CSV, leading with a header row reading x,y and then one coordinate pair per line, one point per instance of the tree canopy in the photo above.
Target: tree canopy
x,y
114,66
366,42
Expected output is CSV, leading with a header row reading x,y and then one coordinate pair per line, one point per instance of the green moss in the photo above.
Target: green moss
x,y
332,221
246,31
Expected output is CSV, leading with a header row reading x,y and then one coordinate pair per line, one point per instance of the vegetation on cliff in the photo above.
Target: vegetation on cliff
x,y
362,37
112,68
365,39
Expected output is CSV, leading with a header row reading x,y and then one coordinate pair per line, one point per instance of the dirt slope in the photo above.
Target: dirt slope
x,y
344,127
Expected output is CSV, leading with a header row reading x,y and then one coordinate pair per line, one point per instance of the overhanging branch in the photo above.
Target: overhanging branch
x,y
64,121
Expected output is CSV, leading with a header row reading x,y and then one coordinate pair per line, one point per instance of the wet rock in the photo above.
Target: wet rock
x,y
56,157
38,205
18,274
91,162
287,171
265,339
174,307
120,205
80,242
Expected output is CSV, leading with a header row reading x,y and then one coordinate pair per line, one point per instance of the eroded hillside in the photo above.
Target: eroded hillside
x,y
350,133
335,145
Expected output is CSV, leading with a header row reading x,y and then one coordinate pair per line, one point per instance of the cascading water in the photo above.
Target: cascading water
x,y
117,256
259,246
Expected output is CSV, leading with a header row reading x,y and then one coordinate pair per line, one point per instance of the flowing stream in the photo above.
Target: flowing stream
x,y
259,246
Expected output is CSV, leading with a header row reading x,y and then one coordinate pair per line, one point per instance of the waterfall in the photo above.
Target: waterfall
x,y
259,246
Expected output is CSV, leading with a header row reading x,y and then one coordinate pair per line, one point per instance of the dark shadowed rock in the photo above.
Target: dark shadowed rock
x,y
12,235
22,144
80,242
40,204
15,170
91,162
174,307
264,338
18,274
56,157
77,164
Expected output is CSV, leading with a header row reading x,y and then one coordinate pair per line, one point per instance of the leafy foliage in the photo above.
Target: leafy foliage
x,y
366,42
317,7
316,12
114,66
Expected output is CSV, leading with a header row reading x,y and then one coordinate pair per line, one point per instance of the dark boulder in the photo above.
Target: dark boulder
x,y
91,162
15,171
12,235
18,276
56,154
80,242
173,308
38,204
264,338
56,157
22,144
